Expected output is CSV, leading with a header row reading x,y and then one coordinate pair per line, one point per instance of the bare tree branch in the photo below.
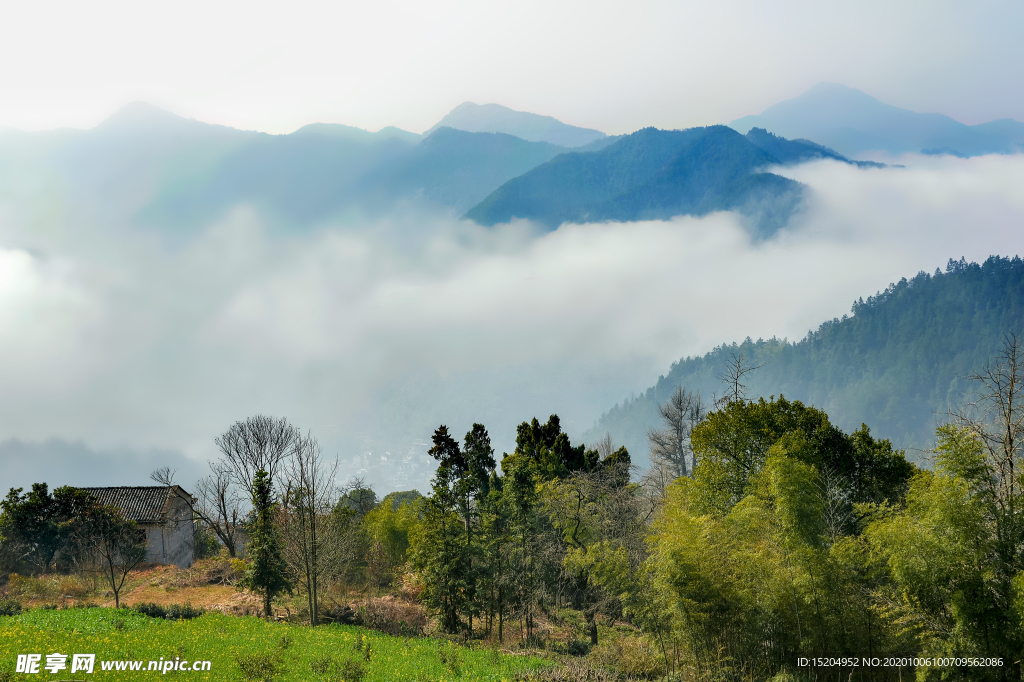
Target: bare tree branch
x,y
259,442
316,544
670,446
732,377
220,507
163,476
996,415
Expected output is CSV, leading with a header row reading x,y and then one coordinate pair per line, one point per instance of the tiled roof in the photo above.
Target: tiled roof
x,y
142,504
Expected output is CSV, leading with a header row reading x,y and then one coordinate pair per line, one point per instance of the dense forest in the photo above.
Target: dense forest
x,y
898,362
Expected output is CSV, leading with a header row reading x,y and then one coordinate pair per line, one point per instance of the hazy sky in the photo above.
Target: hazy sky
x,y
613,66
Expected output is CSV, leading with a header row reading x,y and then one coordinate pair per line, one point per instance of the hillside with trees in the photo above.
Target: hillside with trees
x,y
787,540
899,361
657,174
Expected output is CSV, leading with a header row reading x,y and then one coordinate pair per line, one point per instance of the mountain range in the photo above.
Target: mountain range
x,y
148,167
898,362
852,122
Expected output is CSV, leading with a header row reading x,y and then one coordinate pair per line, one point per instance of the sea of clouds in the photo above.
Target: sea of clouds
x,y
121,348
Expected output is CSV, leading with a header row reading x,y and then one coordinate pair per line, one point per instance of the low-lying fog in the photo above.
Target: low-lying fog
x,y
123,349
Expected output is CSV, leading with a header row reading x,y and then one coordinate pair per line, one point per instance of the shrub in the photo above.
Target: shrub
x,y
204,543
260,667
152,610
362,646
581,670
322,665
173,612
352,670
349,670
183,611
9,606
574,647
632,656
450,657
31,588
390,616
338,613
70,586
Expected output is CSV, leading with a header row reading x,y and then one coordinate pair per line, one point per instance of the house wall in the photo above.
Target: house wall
x,y
171,543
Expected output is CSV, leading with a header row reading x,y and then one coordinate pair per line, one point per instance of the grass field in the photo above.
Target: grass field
x,y
296,652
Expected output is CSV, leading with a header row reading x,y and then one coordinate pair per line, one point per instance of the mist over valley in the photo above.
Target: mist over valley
x,y
161,278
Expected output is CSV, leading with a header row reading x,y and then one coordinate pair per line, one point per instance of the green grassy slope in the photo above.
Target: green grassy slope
x,y
119,635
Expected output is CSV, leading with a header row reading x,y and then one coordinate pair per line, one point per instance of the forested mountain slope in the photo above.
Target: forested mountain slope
x,y
897,363
657,174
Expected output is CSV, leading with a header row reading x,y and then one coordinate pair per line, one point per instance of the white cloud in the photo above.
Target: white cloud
x,y
372,335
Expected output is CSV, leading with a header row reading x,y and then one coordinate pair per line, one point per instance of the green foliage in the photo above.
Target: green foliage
x,y
551,453
440,544
204,543
954,559
389,526
359,499
267,570
733,444
37,527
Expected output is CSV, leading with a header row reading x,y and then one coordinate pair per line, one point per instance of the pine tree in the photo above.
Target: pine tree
x,y
440,549
268,571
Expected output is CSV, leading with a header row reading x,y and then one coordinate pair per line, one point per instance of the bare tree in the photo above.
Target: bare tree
x,y
314,544
605,446
258,443
220,507
670,446
837,509
996,415
164,476
732,377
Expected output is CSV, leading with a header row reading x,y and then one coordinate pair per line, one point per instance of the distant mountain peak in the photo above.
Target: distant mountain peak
x,y
495,118
145,118
851,121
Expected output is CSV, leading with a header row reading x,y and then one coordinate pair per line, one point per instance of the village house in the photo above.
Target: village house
x,y
163,512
